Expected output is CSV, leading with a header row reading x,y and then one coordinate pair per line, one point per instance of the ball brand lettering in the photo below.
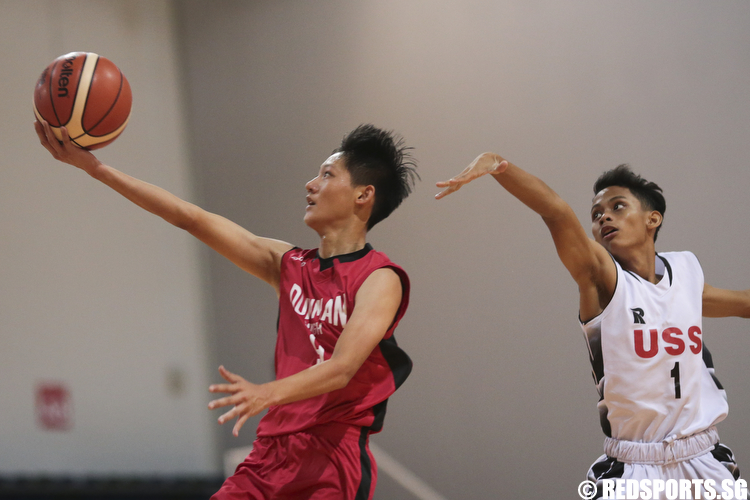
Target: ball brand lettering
x,y
673,339
64,79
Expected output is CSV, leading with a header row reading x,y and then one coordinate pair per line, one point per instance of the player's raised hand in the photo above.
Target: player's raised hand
x,y
248,399
486,163
64,151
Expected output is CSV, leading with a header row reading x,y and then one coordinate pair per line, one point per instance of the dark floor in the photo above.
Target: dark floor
x,y
108,489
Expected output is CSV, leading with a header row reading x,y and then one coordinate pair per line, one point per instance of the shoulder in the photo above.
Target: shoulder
x,y
681,258
379,260
682,254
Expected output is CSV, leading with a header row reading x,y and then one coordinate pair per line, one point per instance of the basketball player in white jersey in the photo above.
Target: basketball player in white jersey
x,y
641,315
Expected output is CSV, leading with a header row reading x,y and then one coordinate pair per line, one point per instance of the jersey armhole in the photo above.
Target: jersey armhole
x,y
606,308
405,291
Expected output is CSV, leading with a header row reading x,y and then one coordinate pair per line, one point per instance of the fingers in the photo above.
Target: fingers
x,y
443,194
43,131
42,134
65,137
238,425
460,178
486,163
227,375
242,397
218,403
50,141
455,183
223,388
229,415
244,412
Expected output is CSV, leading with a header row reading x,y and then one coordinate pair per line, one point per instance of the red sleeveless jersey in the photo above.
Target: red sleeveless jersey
x,y
317,296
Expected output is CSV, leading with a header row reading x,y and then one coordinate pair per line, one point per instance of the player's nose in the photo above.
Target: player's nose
x,y
311,185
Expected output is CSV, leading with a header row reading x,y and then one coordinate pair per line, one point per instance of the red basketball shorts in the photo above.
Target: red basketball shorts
x,y
331,462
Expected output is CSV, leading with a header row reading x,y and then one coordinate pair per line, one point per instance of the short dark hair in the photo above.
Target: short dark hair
x,y
379,158
648,193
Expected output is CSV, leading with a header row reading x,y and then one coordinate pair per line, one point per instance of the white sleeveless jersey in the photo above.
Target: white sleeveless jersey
x,y
653,373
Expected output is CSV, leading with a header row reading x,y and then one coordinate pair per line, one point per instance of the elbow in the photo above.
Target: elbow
x,y
557,210
342,375
339,383
342,379
186,219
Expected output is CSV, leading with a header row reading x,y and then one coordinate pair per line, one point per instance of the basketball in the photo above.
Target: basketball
x,y
87,94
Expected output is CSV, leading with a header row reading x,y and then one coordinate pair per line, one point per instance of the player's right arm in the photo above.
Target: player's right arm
x,y
258,256
586,260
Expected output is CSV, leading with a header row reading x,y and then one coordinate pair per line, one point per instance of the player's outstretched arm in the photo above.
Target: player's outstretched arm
x,y
377,303
587,261
720,303
258,256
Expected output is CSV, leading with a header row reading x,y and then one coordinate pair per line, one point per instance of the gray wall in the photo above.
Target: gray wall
x,y
96,294
501,403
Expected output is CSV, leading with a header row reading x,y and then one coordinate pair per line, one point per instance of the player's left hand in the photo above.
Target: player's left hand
x,y
486,163
248,399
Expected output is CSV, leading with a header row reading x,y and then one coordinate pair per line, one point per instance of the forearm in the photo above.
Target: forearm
x,y
322,378
147,196
260,257
532,192
720,303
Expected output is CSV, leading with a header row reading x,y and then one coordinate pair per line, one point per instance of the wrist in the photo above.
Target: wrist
x,y
270,394
94,168
500,164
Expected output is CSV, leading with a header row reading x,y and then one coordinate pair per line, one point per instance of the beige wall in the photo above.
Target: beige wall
x,y
96,294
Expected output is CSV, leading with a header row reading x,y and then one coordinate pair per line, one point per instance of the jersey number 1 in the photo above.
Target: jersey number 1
x,y
318,349
675,373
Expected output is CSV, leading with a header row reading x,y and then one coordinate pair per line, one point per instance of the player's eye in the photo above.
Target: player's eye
x,y
596,215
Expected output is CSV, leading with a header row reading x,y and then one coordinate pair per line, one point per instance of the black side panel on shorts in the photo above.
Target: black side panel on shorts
x,y
724,455
609,468
363,492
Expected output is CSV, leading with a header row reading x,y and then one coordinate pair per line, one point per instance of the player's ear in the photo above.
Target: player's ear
x,y
654,219
366,194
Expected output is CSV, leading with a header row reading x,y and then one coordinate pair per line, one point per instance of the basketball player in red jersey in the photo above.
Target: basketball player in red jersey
x,y
337,361
641,315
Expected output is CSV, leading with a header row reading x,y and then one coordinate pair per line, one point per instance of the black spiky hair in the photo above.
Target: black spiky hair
x,y
379,158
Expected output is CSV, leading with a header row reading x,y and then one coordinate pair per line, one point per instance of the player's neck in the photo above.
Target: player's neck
x,y
641,263
340,242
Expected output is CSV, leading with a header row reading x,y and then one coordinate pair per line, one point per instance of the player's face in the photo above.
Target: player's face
x,y
618,220
330,195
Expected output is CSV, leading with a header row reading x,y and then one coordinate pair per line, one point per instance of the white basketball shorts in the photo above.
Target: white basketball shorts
x,y
699,457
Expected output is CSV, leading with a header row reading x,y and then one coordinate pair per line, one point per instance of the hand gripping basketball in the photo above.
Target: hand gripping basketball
x,y
64,150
